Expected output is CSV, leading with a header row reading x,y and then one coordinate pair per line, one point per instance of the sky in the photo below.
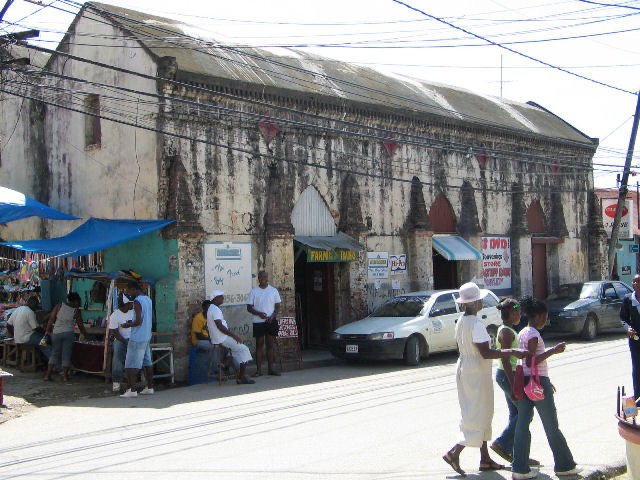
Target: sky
x,y
579,59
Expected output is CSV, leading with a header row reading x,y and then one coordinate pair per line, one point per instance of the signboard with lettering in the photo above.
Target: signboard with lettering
x,y
287,327
398,264
609,207
316,256
378,264
227,267
496,262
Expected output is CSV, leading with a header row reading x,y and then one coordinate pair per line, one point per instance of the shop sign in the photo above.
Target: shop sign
x,y
331,255
398,264
609,207
378,264
227,267
496,262
626,270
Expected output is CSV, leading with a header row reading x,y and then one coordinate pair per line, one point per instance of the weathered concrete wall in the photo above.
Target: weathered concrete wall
x,y
119,177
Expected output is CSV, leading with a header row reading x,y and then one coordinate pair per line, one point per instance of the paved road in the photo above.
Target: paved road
x,y
381,421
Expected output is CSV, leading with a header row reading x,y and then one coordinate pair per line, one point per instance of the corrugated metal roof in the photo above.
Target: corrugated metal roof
x,y
302,72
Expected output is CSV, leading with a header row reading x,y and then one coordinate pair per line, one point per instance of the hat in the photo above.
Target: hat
x,y
124,300
470,292
216,293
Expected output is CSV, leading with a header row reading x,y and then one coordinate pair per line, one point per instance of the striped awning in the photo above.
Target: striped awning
x,y
453,247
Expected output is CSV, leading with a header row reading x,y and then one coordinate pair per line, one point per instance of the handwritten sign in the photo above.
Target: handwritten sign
x,y
287,327
496,262
228,268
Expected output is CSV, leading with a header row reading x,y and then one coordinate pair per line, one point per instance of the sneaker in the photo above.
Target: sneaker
x,y
574,471
129,393
147,391
524,476
115,387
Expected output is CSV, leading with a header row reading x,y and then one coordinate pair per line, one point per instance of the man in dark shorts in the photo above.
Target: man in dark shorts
x,y
264,303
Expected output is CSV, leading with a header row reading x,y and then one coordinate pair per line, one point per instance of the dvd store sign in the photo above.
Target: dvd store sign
x,y
609,207
496,262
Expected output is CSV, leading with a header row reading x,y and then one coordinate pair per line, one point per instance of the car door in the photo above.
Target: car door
x,y
442,323
610,305
622,290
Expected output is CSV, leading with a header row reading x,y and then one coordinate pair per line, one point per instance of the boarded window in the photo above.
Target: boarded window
x,y
92,131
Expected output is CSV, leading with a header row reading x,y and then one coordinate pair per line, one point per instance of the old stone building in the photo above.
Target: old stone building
x,y
346,185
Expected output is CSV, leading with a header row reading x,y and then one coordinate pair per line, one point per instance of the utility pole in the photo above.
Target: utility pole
x,y
613,241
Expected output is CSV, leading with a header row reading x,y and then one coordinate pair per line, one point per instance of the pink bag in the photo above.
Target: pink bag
x,y
533,389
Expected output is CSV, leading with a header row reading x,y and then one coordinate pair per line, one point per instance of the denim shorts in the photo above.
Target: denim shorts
x,y
138,355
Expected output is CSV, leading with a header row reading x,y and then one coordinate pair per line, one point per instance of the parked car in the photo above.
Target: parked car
x,y
585,308
410,327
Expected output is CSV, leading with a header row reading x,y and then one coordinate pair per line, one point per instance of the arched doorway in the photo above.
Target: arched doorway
x,y
445,272
535,220
321,256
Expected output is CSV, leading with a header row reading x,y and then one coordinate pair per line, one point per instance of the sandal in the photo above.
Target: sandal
x,y
245,381
47,378
274,373
257,374
490,466
454,463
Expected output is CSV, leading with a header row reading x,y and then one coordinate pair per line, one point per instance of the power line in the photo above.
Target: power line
x,y
399,2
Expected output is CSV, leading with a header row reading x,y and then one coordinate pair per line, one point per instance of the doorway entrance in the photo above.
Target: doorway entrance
x,y
315,298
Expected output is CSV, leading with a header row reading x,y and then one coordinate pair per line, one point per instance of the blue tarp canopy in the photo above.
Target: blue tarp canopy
x,y
92,236
16,206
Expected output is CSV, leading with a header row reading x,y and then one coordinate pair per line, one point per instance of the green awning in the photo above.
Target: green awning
x,y
337,248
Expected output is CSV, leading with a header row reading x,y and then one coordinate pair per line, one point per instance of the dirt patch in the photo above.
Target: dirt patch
x,y
24,392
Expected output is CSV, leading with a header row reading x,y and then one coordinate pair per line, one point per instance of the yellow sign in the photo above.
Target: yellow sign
x,y
331,255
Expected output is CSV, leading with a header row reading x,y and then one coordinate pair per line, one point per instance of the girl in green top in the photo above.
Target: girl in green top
x,y
508,338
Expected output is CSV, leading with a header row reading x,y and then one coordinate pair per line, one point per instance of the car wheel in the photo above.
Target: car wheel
x,y
412,351
590,328
493,335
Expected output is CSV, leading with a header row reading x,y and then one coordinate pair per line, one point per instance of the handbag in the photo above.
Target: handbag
x,y
533,389
517,389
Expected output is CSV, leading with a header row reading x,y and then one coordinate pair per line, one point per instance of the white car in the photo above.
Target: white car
x,y
410,327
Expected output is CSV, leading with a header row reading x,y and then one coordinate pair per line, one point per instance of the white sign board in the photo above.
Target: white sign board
x,y
496,262
398,264
227,267
609,206
378,264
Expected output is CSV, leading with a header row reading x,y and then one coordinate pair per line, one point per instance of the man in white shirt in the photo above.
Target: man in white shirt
x,y
264,303
220,334
22,324
123,314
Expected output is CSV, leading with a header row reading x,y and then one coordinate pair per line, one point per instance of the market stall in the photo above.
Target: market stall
x,y
100,291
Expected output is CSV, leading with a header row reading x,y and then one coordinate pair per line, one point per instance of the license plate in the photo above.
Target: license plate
x,y
352,349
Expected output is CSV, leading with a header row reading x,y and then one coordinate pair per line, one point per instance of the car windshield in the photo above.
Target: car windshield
x,y
575,291
400,307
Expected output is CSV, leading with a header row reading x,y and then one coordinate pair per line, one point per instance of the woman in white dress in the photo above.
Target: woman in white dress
x,y
473,379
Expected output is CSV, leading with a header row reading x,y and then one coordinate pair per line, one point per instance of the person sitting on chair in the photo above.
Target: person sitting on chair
x,y
221,335
22,324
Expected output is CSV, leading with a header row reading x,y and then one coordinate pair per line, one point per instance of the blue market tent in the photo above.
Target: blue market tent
x,y
93,235
16,206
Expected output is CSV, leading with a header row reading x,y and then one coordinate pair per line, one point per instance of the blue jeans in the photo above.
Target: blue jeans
x,y
61,348
34,339
117,362
505,440
562,457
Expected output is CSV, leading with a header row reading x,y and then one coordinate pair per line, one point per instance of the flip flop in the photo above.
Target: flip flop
x,y
490,466
257,374
455,464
